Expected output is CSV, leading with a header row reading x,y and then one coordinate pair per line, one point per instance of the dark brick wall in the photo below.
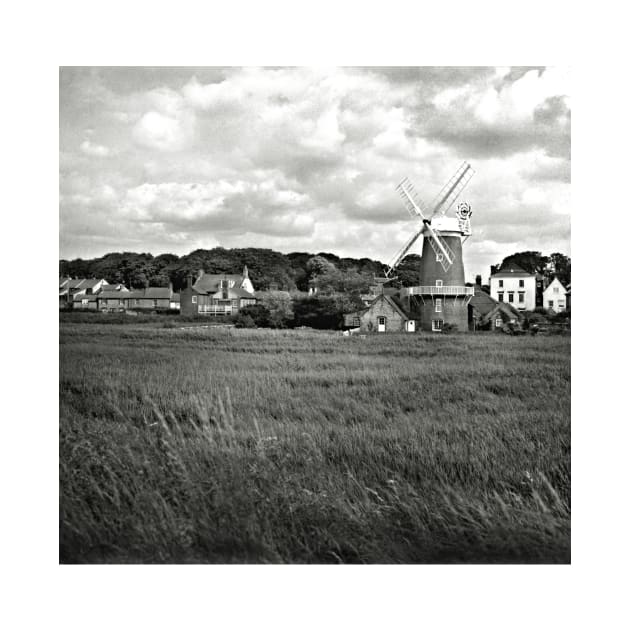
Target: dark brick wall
x,y
454,311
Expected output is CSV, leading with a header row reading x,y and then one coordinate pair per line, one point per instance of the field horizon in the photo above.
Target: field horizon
x,y
298,446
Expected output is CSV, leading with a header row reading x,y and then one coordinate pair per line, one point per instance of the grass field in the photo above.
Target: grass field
x,y
231,446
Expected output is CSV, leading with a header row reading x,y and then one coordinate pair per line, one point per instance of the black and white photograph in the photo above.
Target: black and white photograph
x,y
314,364
315,315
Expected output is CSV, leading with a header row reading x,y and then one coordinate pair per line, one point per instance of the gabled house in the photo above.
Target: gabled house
x,y
217,294
385,313
515,286
555,296
486,313
70,288
149,299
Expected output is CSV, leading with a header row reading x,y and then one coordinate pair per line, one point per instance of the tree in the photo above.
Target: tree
x,y
408,271
258,313
279,306
532,262
560,265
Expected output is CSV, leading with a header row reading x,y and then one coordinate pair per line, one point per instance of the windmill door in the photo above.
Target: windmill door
x,y
381,324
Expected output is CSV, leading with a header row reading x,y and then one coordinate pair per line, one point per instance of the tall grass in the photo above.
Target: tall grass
x,y
227,445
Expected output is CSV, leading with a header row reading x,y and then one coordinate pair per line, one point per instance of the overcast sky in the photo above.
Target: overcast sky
x,y
307,159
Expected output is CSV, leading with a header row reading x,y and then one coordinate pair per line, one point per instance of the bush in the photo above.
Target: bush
x,y
243,320
258,313
449,328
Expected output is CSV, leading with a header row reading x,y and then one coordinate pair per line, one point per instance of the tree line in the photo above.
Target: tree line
x,y
268,269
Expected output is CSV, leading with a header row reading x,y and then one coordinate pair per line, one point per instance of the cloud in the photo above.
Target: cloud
x,y
94,150
308,158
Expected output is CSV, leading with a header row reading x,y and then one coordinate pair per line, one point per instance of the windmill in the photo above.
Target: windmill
x,y
442,272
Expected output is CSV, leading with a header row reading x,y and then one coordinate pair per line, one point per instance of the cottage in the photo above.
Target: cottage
x,y
515,286
217,294
69,288
555,296
486,313
385,313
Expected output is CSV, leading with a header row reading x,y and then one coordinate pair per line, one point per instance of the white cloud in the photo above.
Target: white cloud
x,y
94,150
308,158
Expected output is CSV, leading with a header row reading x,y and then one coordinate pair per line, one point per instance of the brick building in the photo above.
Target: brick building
x,y
217,294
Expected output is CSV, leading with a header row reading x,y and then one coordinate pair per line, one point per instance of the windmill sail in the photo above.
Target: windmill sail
x,y
403,251
443,252
452,189
415,206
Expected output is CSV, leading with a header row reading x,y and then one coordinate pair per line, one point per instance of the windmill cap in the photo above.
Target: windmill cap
x,y
446,224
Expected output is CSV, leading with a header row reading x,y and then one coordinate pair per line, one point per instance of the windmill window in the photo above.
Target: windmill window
x,y
510,297
438,283
439,257
438,306
521,283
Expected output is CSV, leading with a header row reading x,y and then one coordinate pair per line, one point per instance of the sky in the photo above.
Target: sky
x,y
169,160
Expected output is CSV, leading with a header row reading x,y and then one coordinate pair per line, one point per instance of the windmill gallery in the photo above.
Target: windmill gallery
x,y
441,299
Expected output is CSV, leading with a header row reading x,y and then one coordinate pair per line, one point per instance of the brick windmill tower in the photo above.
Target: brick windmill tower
x,y
441,297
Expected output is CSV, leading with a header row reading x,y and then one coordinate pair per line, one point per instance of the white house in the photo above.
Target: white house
x,y
555,296
514,285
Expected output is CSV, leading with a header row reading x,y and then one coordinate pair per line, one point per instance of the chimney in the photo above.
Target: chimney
x,y
478,280
189,280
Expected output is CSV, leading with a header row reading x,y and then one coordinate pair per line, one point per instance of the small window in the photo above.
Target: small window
x,y
84,302
501,283
438,306
521,297
498,322
194,299
561,304
436,325
356,322
155,303
381,321
501,296
550,304
438,283
439,257
510,297
556,290
521,283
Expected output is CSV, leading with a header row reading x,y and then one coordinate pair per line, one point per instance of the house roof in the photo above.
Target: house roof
x,y
512,270
393,301
486,306
150,293
84,283
111,294
211,282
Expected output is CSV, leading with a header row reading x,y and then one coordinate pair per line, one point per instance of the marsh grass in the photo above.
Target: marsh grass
x,y
224,445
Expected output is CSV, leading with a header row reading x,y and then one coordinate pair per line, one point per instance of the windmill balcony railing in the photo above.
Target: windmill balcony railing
x,y
444,290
